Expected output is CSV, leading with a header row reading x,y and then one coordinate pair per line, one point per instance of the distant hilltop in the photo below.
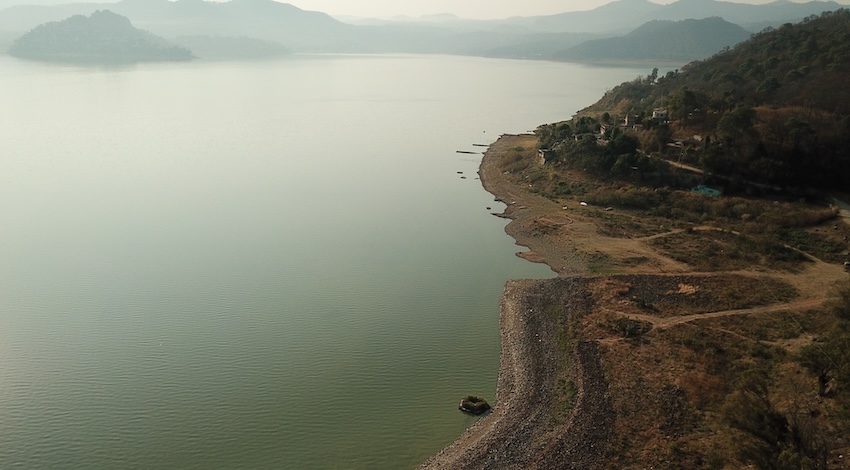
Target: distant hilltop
x,y
662,40
619,31
103,37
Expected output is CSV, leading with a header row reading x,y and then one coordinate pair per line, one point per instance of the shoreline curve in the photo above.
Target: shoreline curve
x,y
537,421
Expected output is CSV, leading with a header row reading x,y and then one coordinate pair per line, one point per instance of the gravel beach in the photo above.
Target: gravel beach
x,y
552,406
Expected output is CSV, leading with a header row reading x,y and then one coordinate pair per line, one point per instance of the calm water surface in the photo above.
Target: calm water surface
x,y
255,265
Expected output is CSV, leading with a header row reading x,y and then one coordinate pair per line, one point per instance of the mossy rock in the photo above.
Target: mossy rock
x,y
474,405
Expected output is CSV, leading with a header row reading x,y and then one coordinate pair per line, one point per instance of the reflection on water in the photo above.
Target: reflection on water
x,y
270,265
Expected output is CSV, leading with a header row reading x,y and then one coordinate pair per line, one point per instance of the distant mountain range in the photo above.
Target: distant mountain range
x,y
260,19
307,31
624,15
232,48
662,40
103,37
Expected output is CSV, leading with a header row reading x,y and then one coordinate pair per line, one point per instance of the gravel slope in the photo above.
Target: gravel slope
x,y
530,425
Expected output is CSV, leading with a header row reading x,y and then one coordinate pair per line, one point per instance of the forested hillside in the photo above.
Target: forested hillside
x,y
735,164
662,40
773,110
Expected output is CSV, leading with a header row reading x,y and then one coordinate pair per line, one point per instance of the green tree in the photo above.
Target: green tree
x,y
685,103
801,133
585,125
653,76
662,135
736,124
768,85
623,143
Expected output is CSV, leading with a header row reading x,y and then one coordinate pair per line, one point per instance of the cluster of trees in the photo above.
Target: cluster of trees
x,y
775,109
582,144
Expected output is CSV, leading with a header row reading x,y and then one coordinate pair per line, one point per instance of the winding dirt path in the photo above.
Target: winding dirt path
x,y
671,321
526,428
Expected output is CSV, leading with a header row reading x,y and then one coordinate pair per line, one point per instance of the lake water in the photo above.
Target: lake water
x,y
256,265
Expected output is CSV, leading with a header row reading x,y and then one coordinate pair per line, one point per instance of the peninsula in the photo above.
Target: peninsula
x,y
699,318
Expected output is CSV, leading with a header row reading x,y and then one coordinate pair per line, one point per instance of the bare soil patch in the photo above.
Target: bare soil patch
x,y
629,358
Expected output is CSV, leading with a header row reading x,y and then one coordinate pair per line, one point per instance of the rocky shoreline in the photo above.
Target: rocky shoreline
x,y
632,369
552,407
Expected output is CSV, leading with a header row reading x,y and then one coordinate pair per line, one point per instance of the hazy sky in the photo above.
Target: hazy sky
x,y
484,9
479,9
464,8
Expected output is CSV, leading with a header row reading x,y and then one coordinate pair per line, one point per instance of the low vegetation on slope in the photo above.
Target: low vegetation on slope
x,y
722,321
720,297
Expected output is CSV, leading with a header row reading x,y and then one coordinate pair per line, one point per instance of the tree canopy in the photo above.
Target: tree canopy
x,y
775,109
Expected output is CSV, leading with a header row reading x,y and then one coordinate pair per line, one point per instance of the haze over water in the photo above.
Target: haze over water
x,y
256,265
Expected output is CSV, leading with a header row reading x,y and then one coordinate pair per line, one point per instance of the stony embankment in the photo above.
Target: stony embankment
x,y
539,421
552,406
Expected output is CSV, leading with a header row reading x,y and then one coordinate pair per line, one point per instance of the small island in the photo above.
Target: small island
x,y
101,38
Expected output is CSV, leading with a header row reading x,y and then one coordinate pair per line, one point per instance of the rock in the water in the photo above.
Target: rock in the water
x,y
473,404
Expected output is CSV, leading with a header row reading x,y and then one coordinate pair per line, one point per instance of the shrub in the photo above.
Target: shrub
x,y
629,328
